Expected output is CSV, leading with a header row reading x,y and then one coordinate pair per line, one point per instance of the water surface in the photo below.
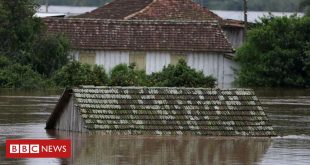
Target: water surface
x,y
23,115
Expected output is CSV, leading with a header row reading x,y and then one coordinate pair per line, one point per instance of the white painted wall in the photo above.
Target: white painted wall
x,y
155,61
75,55
229,72
209,64
111,58
234,36
218,65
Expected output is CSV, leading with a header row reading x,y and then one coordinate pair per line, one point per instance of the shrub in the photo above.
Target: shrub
x,y
276,54
124,75
18,76
75,74
18,27
181,75
4,61
49,54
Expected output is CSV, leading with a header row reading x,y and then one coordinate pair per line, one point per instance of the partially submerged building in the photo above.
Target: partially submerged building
x,y
161,111
151,44
153,34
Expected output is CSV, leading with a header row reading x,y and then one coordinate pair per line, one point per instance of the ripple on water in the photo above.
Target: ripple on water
x,y
298,137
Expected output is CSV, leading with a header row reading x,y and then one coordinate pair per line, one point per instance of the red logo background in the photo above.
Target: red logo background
x,y
47,148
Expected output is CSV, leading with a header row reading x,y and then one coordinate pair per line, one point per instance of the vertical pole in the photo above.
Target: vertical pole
x,y
46,6
245,8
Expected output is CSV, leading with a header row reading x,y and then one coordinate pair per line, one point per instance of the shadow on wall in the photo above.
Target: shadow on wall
x,y
109,149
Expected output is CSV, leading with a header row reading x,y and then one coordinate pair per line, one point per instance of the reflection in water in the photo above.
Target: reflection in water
x,y
23,115
109,149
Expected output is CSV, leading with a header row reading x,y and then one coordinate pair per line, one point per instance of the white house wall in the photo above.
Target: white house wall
x,y
209,64
155,61
234,36
219,66
229,72
109,59
75,55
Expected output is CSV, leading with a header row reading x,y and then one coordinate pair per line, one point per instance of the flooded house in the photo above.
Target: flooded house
x,y
150,44
161,111
151,34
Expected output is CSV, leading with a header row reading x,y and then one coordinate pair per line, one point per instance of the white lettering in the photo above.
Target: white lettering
x,y
34,148
14,148
24,148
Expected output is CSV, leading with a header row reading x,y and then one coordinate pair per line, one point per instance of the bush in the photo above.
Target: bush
x,y
18,76
276,54
49,54
4,62
18,27
181,75
75,74
124,75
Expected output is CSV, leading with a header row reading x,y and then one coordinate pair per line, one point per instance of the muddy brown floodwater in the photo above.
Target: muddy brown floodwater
x,y
23,115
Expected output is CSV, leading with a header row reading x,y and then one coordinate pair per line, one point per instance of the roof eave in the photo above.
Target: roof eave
x,y
151,50
59,108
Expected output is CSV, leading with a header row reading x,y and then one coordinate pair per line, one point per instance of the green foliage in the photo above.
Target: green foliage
x,y
181,75
28,56
305,6
4,62
276,53
18,27
18,76
124,75
75,74
49,54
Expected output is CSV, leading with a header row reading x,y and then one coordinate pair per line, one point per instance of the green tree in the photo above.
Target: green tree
x,y
18,76
305,6
75,74
124,75
181,75
276,53
18,27
26,46
49,53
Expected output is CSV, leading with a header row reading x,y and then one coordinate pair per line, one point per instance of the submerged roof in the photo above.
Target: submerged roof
x,y
169,111
147,35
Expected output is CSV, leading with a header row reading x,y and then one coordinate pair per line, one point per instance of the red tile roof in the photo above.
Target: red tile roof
x,y
100,34
152,9
174,9
156,10
117,9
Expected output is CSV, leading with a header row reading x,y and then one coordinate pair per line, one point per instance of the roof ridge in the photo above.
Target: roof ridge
x,y
140,11
135,20
191,3
145,87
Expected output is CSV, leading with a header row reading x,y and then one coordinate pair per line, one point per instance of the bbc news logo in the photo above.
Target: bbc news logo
x,y
38,148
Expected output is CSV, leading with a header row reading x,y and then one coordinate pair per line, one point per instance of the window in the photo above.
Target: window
x,y
138,58
87,57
